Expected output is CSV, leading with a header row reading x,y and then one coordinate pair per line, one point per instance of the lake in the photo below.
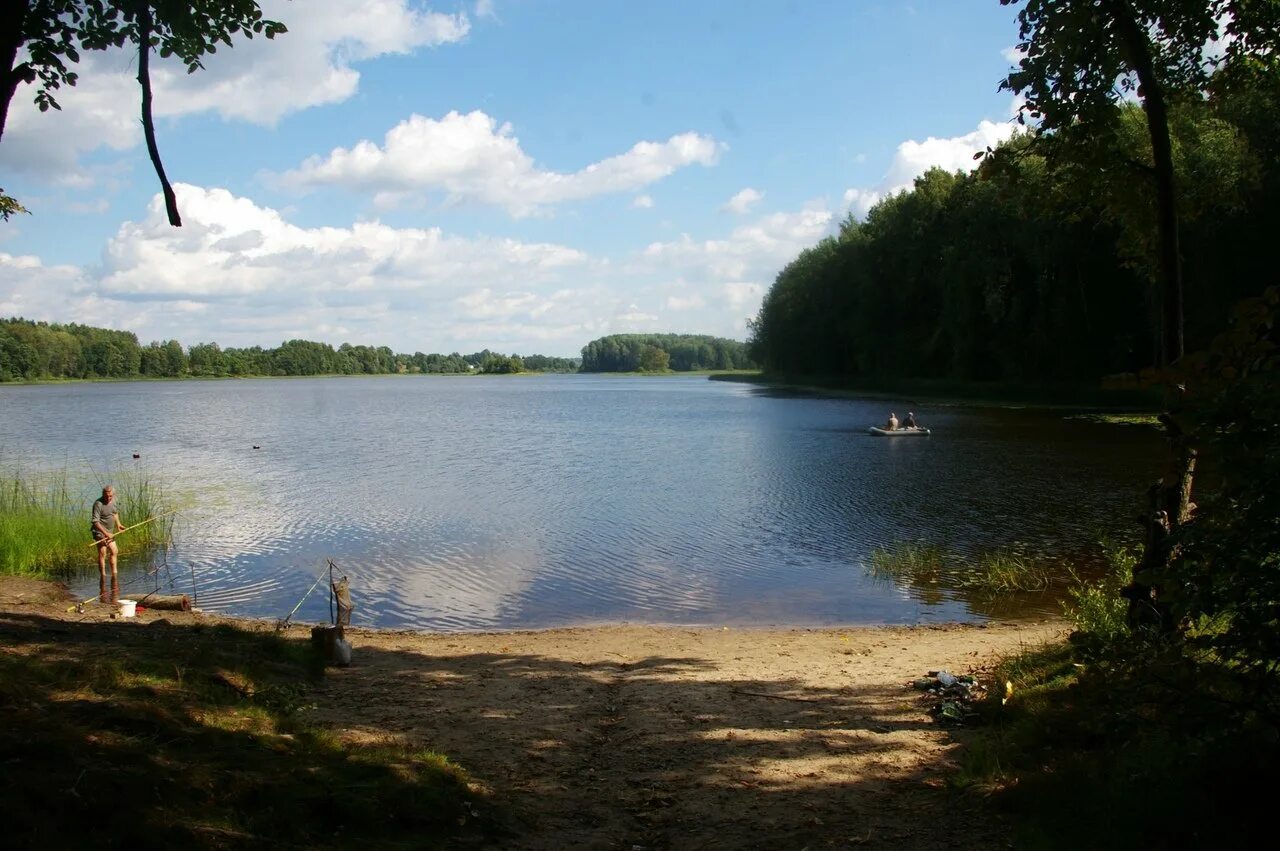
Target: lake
x,y
466,503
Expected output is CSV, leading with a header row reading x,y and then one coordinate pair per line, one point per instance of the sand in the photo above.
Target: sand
x,y
643,737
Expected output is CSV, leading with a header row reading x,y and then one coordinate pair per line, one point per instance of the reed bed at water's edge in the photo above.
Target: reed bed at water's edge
x,y
998,571
44,520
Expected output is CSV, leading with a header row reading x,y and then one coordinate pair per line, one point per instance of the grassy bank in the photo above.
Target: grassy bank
x,y
1086,755
44,521
941,392
164,736
1117,739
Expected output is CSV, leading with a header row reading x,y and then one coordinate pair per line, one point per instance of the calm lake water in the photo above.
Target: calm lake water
x,y
511,502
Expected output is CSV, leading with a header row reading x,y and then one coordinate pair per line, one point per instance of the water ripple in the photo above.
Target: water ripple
x,y
460,504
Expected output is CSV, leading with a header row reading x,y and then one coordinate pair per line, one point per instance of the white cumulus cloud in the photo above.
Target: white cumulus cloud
x,y
743,201
472,157
241,273
642,202
258,80
912,159
691,302
731,274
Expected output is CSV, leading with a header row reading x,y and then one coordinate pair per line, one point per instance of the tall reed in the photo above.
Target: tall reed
x,y
918,563
44,521
999,571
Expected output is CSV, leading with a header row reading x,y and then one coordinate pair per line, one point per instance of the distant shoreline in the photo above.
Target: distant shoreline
x,y
29,382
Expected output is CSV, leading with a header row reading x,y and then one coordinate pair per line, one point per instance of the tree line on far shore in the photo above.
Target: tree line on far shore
x,y
664,352
1040,266
43,350
32,350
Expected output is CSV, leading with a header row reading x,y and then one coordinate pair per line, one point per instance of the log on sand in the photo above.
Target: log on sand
x,y
167,602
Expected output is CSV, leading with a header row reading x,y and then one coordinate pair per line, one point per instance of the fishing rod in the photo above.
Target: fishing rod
x,y
135,526
283,623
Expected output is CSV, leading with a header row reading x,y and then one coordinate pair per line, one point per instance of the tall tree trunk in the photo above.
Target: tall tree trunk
x,y
11,23
1156,109
1170,499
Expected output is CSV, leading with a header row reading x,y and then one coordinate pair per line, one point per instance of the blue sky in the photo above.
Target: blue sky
x,y
518,175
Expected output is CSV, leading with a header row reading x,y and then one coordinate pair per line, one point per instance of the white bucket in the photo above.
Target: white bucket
x,y
128,608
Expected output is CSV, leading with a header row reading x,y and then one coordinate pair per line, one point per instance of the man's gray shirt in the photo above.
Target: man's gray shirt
x,y
106,513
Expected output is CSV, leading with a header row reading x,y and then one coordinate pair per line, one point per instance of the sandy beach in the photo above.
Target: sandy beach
x,y
640,737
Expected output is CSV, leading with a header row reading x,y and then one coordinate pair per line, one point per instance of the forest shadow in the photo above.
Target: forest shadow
x,y
663,751
154,735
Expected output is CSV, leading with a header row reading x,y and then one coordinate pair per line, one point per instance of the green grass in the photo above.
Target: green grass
x,y
196,737
1119,419
1119,740
994,572
1102,755
919,564
1002,571
44,521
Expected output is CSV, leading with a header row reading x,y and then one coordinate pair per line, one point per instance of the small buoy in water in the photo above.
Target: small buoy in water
x,y
136,455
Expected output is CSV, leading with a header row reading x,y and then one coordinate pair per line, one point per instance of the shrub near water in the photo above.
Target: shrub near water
x,y
1096,608
44,521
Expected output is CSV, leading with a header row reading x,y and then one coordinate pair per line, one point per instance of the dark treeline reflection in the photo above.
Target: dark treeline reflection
x,y
1038,266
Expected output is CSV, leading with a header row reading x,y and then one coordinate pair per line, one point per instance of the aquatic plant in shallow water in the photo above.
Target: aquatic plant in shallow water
x,y
917,563
997,571
44,520
1002,571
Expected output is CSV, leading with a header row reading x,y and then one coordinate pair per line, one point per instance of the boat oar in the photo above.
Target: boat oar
x,y
136,525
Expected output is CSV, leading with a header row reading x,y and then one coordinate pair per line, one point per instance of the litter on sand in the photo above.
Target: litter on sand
x,y
955,696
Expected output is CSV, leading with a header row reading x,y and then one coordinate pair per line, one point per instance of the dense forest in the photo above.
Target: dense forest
x,y
1039,266
39,350
663,352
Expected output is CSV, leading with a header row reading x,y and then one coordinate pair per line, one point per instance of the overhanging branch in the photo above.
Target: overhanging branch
x,y
148,125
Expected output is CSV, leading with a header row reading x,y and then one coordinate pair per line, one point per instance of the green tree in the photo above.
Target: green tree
x,y
1079,57
9,206
53,33
653,359
496,364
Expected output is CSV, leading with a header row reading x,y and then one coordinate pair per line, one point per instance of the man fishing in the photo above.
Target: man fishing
x,y
106,514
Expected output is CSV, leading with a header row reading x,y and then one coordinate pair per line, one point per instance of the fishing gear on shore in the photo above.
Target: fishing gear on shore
x,y
330,641
281,624
179,602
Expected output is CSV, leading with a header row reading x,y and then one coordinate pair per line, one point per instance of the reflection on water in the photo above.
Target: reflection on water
x,y
465,503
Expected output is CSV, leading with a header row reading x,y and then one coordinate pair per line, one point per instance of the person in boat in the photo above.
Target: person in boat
x,y
910,421
892,425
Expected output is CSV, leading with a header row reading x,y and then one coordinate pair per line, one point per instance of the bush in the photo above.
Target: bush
x,y
1096,607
